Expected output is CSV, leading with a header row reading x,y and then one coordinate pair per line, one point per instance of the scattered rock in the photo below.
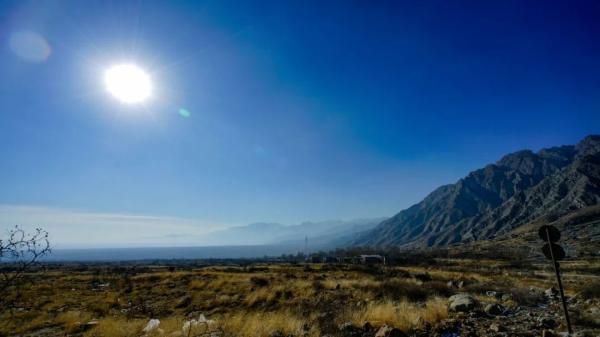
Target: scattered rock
x,y
455,284
547,322
496,327
495,294
277,333
195,325
151,325
447,328
548,333
551,293
462,303
494,309
91,324
349,330
388,331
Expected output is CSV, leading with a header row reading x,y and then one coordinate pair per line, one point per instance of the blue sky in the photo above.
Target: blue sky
x,y
299,110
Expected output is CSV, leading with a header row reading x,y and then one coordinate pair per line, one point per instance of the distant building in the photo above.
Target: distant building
x,y
330,259
372,259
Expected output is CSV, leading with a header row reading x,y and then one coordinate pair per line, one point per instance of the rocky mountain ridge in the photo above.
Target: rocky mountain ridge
x,y
519,188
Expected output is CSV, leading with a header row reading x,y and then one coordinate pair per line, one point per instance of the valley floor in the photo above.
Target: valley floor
x,y
493,298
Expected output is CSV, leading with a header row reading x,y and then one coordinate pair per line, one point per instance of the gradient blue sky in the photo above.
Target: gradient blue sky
x,y
300,110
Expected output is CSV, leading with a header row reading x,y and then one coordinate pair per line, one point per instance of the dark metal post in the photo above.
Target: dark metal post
x,y
560,287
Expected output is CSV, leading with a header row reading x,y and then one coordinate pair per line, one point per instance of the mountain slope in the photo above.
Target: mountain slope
x,y
320,234
517,189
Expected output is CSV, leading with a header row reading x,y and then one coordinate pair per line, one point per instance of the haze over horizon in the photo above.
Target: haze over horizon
x,y
278,112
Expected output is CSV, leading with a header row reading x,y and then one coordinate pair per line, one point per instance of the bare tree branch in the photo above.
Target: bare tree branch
x,y
19,251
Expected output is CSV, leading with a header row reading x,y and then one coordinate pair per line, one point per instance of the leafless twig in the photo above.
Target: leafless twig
x,y
19,251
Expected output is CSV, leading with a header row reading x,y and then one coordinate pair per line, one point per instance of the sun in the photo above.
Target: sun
x,y
128,83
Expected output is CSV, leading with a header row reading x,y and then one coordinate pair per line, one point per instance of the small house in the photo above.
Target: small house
x,y
372,259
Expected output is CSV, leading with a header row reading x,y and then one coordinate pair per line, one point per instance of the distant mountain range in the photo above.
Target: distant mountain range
x,y
321,235
519,189
502,200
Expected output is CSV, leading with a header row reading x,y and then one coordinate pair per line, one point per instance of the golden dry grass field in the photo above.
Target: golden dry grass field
x,y
278,299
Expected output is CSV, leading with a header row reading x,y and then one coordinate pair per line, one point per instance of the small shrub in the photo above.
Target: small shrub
x,y
586,319
318,285
591,290
259,281
423,277
99,308
527,297
398,289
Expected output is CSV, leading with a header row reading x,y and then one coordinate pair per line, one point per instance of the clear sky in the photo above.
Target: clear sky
x,y
298,110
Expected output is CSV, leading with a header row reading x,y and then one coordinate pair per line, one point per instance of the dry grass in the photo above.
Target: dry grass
x,y
257,300
404,315
73,320
116,327
240,325
262,324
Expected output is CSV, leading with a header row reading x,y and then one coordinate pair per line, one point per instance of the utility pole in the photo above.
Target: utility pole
x,y
306,245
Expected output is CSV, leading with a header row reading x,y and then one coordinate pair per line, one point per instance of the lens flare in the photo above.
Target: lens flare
x,y
29,46
184,113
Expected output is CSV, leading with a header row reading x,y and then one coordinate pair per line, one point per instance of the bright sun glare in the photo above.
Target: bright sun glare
x,y
128,83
